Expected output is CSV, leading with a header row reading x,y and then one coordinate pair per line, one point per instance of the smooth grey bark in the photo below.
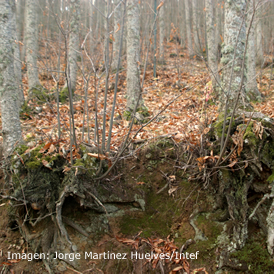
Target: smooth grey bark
x,y
92,18
162,33
182,22
117,32
195,25
32,43
233,54
251,85
259,36
218,21
20,7
11,127
73,47
211,44
133,41
17,61
188,28
24,47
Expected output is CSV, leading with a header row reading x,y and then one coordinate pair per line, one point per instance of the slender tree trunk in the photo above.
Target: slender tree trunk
x,y
218,21
117,32
182,23
133,40
17,61
73,51
32,43
259,37
92,15
24,27
212,57
195,26
188,28
251,85
162,33
11,127
233,54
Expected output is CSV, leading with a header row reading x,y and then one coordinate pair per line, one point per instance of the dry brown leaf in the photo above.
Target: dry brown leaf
x,y
160,5
176,269
52,148
46,164
172,189
66,169
118,28
98,156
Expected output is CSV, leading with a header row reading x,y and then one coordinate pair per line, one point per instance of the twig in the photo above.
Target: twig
x,y
97,200
266,196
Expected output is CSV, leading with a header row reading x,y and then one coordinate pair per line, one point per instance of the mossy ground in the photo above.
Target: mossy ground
x,y
64,94
39,94
255,255
143,111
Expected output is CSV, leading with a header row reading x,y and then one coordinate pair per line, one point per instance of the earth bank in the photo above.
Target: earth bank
x,y
158,193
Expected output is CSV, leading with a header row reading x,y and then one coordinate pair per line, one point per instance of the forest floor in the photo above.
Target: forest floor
x,y
182,89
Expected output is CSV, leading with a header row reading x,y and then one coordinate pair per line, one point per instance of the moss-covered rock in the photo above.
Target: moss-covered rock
x,y
140,117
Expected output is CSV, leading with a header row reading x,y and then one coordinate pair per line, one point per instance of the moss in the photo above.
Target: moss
x,y
39,94
156,220
142,110
33,164
21,149
256,256
127,115
163,148
250,136
218,126
173,55
64,95
225,60
25,111
237,69
87,164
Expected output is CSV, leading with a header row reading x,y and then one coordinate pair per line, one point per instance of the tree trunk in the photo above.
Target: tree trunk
x,y
188,28
195,20
32,43
212,45
233,55
133,40
17,61
182,23
259,37
11,128
117,32
251,86
73,42
162,33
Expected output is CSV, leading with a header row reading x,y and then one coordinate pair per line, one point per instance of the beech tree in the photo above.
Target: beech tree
x,y
31,37
9,91
259,35
162,33
117,32
195,25
133,42
73,46
251,85
188,28
212,45
233,55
